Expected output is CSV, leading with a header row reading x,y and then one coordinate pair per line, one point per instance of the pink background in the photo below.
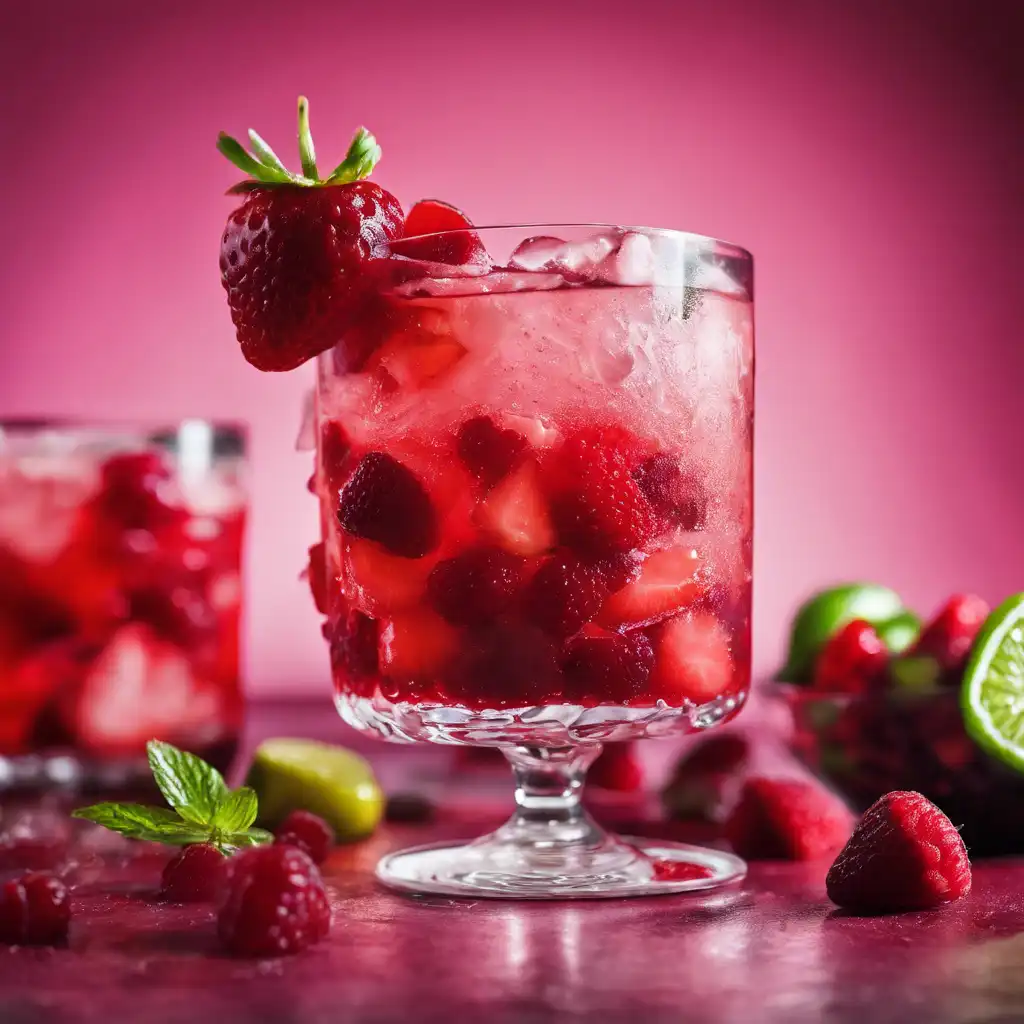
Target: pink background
x,y
868,153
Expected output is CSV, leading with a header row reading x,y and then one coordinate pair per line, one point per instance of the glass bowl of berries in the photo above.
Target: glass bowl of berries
x,y
877,709
534,472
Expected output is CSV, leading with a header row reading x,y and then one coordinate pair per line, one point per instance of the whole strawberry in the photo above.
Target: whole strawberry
x,y
293,255
905,854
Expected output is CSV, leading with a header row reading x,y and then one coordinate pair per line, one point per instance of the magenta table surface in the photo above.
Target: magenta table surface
x,y
772,949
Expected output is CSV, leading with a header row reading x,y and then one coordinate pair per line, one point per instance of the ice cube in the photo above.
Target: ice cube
x,y
631,263
537,253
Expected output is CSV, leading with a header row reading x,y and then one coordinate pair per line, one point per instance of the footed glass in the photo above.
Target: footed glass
x,y
535,480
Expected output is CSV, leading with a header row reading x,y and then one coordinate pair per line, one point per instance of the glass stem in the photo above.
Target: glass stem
x,y
549,784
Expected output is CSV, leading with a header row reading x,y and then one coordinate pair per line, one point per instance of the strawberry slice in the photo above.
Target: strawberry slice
x,y
515,513
692,660
668,582
416,645
428,216
139,688
382,581
420,353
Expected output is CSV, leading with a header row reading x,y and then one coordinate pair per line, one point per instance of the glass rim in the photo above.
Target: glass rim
x,y
692,237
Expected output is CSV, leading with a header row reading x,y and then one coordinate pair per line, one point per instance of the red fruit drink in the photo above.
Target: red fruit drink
x,y
119,599
536,490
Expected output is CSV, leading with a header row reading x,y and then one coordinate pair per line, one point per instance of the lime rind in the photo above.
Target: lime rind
x,y
992,695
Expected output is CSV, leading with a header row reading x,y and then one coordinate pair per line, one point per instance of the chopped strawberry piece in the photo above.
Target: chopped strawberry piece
x,y
475,586
788,819
597,505
515,513
948,637
384,582
618,570
334,450
384,501
489,451
416,645
139,688
679,871
418,352
458,246
669,581
692,659
613,668
904,854
318,582
564,594
353,646
852,660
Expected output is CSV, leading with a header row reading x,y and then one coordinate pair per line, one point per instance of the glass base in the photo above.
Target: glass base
x,y
501,868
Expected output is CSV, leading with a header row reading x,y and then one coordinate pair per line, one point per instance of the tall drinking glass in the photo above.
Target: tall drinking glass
x,y
535,480
120,598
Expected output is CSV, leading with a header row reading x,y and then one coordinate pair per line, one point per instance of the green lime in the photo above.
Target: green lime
x,y
899,633
338,785
992,697
917,673
826,613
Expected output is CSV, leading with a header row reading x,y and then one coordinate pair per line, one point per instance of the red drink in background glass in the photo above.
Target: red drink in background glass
x,y
120,597
536,497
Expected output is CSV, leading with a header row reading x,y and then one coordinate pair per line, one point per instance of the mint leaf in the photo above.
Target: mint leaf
x,y
236,812
192,787
249,837
360,160
154,824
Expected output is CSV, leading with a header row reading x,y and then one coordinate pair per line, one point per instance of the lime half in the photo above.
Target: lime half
x,y
335,783
992,697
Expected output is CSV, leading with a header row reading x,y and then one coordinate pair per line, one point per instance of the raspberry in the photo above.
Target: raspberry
x,y
617,768
508,663
475,586
948,637
353,646
384,501
489,452
291,261
275,903
34,910
612,669
680,498
309,833
707,781
785,819
598,506
904,854
564,595
195,875
852,660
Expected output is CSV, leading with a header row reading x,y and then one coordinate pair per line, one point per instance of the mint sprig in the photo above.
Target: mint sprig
x,y
204,809
265,168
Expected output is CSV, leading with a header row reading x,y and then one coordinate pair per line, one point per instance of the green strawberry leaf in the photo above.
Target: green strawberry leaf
x,y
192,787
153,824
361,158
236,812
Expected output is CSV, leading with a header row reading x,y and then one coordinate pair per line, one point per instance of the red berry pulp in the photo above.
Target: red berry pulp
x,y
119,602
532,507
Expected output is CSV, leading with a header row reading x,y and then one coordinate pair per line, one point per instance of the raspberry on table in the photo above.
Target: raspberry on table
x,y
475,586
488,451
565,594
194,875
904,854
787,819
706,783
309,832
384,501
275,903
35,910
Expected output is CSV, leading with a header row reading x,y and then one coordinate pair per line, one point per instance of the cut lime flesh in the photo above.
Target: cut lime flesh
x,y
992,697
335,783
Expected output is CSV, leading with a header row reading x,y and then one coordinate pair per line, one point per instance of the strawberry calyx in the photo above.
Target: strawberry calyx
x,y
266,170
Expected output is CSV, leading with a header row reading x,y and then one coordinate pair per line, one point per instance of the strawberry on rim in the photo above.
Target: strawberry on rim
x,y
292,255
